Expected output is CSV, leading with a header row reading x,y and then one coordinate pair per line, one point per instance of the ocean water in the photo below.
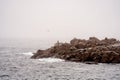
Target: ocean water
x,y
15,64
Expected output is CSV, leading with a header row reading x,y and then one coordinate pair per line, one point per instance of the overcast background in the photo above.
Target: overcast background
x,y
59,19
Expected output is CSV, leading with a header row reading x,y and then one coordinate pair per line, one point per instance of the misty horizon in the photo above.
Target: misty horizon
x,y
59,19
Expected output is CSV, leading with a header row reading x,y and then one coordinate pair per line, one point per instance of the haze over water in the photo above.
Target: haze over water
x,y
59,19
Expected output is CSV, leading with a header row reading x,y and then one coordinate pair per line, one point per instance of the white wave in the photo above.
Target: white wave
x,y
50,60
28,53
45,59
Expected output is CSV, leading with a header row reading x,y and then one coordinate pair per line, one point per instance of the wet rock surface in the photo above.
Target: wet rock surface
x,y
81,50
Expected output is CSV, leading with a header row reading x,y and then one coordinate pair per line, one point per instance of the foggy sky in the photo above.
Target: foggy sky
x,y
59,18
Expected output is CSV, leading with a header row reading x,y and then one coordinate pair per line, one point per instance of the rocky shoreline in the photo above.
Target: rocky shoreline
x,y
81,50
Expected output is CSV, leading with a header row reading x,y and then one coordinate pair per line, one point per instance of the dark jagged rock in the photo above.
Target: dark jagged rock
x,y
81,50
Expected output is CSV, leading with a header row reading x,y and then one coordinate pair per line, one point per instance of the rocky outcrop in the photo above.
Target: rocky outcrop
x,y
81,50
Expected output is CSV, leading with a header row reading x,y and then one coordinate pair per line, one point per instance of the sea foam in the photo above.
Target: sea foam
x,y
28,53
50,60
44,59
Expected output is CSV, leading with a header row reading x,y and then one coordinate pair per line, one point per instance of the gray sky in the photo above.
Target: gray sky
x,y
59,18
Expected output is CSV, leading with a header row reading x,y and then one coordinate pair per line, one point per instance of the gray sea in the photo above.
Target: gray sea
x,y
15,64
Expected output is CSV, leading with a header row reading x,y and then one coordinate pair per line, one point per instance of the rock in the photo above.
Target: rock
x,y
37,54
81,50
110,57
94,39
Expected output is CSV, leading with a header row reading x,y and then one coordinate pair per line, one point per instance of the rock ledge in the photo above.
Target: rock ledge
x,y
81,50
